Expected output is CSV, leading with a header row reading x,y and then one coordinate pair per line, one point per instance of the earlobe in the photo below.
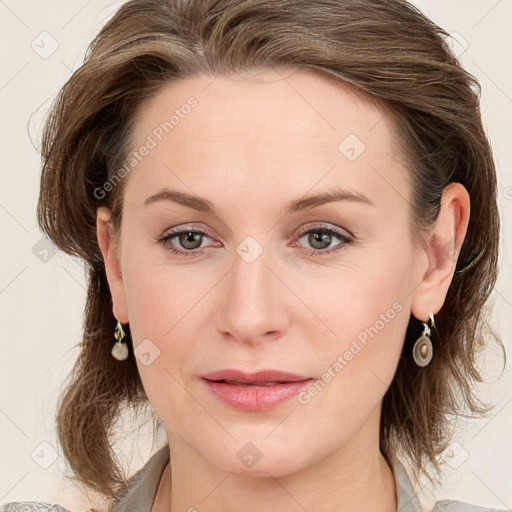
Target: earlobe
x,y
442,250
105,236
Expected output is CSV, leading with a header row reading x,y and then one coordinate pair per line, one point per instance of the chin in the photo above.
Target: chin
x,y
254,455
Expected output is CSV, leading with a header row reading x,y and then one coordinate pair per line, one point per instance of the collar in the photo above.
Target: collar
x,y
407,500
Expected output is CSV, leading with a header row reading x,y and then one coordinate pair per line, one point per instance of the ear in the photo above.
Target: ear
x,y
105,235
442,250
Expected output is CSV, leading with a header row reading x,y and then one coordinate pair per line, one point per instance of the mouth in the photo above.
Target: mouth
x,y
256,391
260,377
240,383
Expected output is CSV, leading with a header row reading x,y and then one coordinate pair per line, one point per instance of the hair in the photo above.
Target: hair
x,y
387,51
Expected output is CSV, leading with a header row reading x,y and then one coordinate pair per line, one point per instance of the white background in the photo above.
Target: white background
x,y
41,303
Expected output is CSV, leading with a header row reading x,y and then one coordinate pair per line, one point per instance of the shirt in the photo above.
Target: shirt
x,y
143,485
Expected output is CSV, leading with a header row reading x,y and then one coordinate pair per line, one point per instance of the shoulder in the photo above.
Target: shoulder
x,y
408,500
138,496
140,491
461,506
31,506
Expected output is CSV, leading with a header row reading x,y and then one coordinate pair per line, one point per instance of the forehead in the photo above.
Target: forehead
x,y
287,127
271,99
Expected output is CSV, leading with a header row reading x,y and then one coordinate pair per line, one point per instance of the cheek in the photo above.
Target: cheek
x,y
165,308
357,364
362,318
159,296
157,306
354,296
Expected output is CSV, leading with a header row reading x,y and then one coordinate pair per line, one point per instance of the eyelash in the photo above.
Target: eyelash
x,y
344,239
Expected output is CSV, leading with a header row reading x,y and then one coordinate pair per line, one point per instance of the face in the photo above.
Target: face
x,y
321,289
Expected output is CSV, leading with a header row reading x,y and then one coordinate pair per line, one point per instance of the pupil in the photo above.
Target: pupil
x,y
320,238
190,238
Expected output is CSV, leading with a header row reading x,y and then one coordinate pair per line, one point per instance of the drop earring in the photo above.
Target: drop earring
x,y
423,351
119,350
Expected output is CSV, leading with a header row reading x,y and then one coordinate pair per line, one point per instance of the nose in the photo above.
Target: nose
x,y
252,307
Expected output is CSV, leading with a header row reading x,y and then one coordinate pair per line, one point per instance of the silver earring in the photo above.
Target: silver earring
x,y
423,351
119,350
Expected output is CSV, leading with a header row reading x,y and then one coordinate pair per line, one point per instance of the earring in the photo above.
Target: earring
x,y
119,350
423,351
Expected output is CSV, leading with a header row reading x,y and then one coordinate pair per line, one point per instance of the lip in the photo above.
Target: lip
x,y
261,376
257,391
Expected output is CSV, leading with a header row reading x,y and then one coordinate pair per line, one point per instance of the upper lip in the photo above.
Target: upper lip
x,y
257,376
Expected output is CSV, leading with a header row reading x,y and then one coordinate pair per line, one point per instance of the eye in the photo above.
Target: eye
x,y
188,239
321,238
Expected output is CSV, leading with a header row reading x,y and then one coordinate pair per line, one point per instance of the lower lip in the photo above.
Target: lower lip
x,y
254,397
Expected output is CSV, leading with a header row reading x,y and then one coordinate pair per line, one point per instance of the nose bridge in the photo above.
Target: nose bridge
x,y
253,306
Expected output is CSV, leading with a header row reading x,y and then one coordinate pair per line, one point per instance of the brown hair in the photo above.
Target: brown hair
x,y
388,51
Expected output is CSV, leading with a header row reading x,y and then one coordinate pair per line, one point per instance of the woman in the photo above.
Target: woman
x,y
288,213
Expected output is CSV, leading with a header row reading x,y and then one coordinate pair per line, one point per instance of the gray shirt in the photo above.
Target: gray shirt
x,y
143,485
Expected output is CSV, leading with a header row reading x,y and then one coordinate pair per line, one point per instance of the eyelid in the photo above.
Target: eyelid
x,y
180,228
325,226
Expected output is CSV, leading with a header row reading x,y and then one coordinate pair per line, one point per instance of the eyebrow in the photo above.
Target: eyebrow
x,y
304,203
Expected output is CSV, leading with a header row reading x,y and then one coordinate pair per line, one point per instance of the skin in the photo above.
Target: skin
x,y
253,143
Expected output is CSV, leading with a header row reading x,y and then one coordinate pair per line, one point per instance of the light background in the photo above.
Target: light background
x,y
42,296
